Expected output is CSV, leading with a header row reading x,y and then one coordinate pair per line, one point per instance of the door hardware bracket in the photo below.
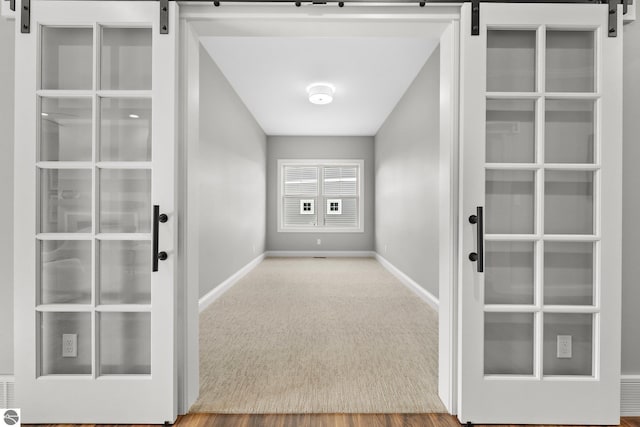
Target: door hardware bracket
x,y
12,5
25,17
164,16
612,10
613,17
475,17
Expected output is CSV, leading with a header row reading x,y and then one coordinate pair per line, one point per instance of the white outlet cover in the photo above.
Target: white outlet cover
x,y
69,345
564,347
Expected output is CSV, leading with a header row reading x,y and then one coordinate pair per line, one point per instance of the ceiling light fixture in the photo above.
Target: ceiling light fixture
x,y
134,116
321,93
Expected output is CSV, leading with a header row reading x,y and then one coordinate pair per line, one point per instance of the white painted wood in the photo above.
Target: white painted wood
x,y
65,165
79,399
69,93
630,16
189,357
448,214
6,11
536,399
413,286
124,165
223,287
124,93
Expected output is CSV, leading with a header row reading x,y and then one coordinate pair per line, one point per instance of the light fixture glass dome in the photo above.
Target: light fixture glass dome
x,y
321,93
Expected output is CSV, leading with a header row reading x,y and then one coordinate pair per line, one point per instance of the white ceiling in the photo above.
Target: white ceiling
x,y
271,74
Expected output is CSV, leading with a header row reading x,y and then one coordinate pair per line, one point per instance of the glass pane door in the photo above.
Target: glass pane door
x,y
95,174
541,173
541,153
95,131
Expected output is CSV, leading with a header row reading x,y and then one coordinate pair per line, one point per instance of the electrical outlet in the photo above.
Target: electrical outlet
x,y
319,241
564,346
385,248
69,345
254,249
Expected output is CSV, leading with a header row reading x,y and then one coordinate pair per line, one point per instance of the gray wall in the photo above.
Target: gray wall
x,y
631,203
319,147
6,194
407,180
231,173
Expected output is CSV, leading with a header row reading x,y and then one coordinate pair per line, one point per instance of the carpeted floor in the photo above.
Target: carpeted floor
x,y
308,335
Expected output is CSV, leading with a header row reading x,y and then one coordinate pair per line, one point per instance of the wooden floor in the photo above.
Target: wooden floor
x,y
328,420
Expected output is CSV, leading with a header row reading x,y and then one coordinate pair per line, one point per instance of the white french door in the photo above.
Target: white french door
x,y
541,157
94,156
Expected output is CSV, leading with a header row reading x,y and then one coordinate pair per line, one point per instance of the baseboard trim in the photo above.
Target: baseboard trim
x,y
223,287
629,395
328,254
424,295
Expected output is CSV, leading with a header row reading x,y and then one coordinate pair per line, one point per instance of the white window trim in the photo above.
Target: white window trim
x,y
321,162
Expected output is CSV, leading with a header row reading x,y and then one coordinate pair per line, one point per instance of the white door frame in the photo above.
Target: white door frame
x,y
195,21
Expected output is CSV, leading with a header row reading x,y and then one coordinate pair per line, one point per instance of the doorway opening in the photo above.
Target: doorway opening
x,y
399,120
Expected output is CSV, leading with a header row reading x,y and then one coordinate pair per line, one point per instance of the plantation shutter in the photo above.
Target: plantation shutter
x,y
341,189
300,188
341,181
301,181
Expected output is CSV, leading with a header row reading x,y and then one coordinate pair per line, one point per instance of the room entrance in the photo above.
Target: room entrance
x,y
357,151
528,191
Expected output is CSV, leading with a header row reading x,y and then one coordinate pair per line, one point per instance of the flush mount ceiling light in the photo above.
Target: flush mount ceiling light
x,y
321,93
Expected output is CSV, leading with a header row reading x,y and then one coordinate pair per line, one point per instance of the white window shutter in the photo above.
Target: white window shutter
x,y
347,218
321,195
293,217
300,185
301,181
340,181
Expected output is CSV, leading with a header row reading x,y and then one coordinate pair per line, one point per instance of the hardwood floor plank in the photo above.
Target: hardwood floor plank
x,y
320,420
630,422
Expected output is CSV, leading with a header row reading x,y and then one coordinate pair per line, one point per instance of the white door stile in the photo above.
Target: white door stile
x,y
537,398
95,397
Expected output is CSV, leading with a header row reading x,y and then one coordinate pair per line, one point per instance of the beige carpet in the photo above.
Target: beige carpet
x,y
309,335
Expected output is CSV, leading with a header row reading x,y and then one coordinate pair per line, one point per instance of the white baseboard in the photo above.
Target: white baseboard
x,y
425,295
328,254
223,287
7,391
629,395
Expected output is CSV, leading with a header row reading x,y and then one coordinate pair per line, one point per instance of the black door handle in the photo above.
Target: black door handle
x,y
157,219
478,256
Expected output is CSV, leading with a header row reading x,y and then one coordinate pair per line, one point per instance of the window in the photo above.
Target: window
x,y
320,195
